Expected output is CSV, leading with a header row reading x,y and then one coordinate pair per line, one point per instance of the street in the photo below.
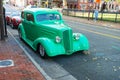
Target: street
x,y
103,61
101,64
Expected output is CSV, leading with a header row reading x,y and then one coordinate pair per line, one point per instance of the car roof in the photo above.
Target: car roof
x,y
40,10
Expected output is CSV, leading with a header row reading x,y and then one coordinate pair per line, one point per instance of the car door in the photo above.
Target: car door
x,y
29,24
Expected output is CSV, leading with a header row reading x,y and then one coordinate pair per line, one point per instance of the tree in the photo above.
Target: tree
x,y
1,20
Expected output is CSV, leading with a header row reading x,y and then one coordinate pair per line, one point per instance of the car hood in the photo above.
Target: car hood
x,y
56,25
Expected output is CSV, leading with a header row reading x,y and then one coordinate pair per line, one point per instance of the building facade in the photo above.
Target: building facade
x,y
111,5
80,4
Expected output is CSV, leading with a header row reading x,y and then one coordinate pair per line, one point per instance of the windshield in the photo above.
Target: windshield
x,y
43,17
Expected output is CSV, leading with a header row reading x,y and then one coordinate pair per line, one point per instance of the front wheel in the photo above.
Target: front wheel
x,y
42,51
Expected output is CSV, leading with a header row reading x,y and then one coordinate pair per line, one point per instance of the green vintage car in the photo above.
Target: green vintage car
x,y
45,31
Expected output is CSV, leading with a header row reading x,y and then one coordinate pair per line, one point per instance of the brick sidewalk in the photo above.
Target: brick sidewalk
x,y
23,68
99,23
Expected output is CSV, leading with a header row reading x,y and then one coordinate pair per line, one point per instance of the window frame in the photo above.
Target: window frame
x,y
22,15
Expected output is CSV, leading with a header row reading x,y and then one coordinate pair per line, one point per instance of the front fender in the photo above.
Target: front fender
x,y
51,47
81,44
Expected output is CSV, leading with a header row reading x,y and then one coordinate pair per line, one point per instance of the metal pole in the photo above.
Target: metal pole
x,y
1,21
4,21
89,11
101,15
116,17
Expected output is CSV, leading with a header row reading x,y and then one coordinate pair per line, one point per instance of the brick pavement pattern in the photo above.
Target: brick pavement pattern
x,y
23,68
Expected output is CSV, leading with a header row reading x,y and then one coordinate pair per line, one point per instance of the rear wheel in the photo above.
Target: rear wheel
x,y
12,26
20,34
41,51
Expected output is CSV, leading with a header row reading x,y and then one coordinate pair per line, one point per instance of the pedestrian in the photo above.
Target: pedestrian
x,y
104,6
96,12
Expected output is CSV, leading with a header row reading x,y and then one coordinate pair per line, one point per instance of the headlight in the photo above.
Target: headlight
x,y
77,36
58,39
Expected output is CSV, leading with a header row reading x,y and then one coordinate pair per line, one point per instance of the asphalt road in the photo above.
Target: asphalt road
x,y
103,62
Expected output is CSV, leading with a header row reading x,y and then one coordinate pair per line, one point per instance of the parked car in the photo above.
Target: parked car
x,y
7,15
14,19
45,31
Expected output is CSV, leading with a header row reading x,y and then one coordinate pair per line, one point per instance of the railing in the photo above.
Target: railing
x,y
105,16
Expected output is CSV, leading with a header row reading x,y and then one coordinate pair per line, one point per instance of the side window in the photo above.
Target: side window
x,y
30,17
22,15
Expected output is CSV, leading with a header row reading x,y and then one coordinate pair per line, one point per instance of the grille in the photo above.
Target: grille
x,y
67,39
